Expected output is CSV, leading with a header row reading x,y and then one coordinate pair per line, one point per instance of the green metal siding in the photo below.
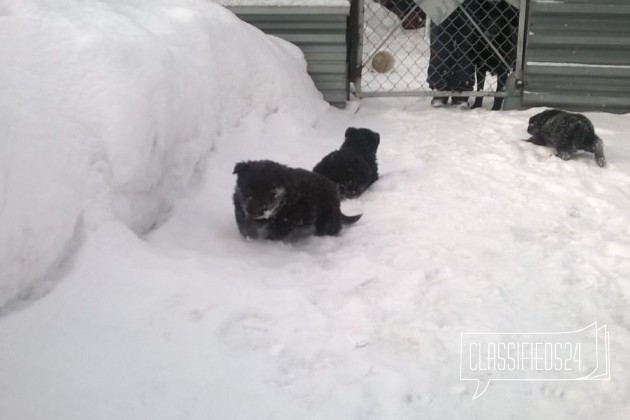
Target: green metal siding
x,y
321,35
578,55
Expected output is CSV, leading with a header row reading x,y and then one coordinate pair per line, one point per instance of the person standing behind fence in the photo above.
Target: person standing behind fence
x,y
450,65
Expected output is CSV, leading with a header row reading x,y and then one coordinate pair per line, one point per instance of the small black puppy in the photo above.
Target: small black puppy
x,y
353,167
567,133
273,201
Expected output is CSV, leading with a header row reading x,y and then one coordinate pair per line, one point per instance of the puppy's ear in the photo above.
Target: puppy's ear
x,y
240,168
350,131
377,137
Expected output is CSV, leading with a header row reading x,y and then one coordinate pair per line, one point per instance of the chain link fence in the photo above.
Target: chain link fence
x,y
471,52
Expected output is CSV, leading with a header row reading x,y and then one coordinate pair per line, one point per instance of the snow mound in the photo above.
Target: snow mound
x,y
109,108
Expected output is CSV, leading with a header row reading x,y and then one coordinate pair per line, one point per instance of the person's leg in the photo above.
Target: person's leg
x,y
461,77
438,63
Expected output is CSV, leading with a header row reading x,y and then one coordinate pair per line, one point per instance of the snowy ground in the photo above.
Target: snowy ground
x,y
468,229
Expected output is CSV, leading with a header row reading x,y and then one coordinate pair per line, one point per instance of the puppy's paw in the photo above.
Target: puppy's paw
x,y
601,161
564,155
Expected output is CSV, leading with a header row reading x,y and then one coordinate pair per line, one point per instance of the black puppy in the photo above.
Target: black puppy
x,y
273,201
353,167
567,133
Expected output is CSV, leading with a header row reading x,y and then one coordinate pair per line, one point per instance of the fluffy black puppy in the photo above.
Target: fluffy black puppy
x,y
567,133
273,201
353,167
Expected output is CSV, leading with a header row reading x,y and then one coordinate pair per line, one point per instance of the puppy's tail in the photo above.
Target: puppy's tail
x,y
598,149
348,220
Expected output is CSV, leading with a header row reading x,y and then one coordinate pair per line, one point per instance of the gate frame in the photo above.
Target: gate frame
x,y
513,92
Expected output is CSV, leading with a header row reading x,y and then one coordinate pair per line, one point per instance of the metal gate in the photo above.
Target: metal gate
x,y
423,48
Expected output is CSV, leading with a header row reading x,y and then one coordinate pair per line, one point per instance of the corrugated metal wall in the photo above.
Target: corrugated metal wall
x,y
320,32
578,55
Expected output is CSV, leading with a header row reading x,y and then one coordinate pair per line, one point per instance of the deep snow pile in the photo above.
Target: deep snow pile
x,y
119,102
468,229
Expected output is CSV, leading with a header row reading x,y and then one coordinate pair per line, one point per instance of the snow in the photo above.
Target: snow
x,y
121,102
161,310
